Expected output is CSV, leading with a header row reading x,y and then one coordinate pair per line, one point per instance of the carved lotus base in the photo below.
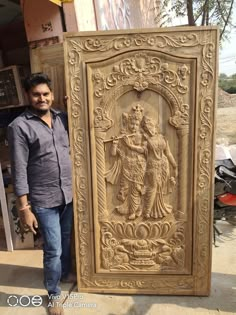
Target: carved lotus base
x,y
133,246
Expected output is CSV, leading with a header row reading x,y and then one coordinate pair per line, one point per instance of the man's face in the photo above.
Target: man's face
x,y
41,98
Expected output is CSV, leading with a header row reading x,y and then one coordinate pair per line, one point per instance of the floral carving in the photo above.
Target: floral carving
x,y
135,74
207,73
140,71
136,40
165,286
206,110
149,246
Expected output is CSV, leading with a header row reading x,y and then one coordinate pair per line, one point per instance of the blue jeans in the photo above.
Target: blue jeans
x,y
55,225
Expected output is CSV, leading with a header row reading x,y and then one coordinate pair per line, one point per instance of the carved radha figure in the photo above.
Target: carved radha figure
x,y
159,158
131,165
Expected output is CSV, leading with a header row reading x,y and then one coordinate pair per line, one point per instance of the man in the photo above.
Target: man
x,y
41,168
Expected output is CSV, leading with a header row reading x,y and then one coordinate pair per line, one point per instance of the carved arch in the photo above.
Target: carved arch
x,y
144,71
179,112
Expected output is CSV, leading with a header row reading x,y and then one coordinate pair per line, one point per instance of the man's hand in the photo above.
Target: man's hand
x,y
28,219
65,99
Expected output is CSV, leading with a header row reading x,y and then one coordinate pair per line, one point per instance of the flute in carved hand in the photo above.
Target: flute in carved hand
x,y
117,138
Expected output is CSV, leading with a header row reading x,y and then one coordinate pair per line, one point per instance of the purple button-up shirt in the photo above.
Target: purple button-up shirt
x,y
41,164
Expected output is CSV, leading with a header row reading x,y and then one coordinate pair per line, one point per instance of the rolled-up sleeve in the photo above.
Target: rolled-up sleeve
x,y
19,152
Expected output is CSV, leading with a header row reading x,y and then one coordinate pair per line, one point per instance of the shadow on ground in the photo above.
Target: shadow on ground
x,y
20,276
222,299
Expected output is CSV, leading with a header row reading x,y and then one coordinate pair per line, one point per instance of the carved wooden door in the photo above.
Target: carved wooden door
x,y
142,108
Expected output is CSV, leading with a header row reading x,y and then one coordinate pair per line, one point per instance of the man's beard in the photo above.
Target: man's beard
x,y
41,112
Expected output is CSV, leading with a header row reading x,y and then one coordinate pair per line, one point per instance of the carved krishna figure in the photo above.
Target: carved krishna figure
x,y
130,148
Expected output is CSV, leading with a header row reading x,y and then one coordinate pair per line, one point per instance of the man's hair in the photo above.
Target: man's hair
x,y
36,79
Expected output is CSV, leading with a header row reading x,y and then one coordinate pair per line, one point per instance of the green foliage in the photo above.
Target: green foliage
x,y
162,14
199,12
231,90
228,83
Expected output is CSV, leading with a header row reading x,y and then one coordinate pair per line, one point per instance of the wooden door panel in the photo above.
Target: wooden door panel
x,y
141,119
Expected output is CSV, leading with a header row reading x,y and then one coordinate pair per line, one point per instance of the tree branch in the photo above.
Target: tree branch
x,y
198,16
190,12
205,8
227,19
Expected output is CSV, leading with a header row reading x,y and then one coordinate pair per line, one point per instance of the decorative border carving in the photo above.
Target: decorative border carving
x,y
201,43
140,71
165,286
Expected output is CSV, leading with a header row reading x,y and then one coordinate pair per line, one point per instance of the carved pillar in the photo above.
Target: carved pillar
x,y
183,173
101,187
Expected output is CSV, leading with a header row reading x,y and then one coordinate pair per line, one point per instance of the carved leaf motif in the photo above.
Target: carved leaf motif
x,y
208,73
206,125
165,230
184,284
204,177
155,231
129,230
122,42
140,71
142,231
119,229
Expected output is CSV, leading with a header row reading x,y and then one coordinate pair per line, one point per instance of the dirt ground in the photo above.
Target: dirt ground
x,y
226,125
21,274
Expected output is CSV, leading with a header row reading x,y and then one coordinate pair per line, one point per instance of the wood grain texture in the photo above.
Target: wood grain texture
x,y
142,112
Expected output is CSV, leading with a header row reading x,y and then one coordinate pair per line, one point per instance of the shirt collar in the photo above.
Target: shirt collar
x,y
29,114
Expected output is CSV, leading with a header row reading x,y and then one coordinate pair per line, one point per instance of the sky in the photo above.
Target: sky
x,y
227,57
227,53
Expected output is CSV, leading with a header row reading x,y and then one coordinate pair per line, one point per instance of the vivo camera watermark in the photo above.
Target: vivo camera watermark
x,y
24,300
